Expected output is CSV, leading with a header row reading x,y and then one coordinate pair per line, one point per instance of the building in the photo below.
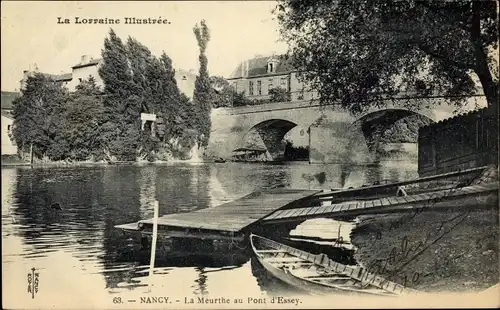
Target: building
x,y
255,77
89,66
8,144
185,81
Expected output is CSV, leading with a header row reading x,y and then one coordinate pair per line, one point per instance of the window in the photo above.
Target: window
x,y
259,87
270,84
8,127
80,79
250,88
283,82
270,69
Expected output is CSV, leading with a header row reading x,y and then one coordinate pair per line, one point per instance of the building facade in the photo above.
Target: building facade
x,y
256,77
8,144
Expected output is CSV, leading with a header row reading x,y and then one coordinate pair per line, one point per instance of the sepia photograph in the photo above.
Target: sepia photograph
x,y
278,154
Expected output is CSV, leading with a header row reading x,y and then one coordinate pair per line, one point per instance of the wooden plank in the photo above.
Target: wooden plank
x,y
321,210
282,213
303,210
336,208
274,214
330,209
296,212
385,202
393,200
409,199
312,211
351,206
399,200
288,213
369,204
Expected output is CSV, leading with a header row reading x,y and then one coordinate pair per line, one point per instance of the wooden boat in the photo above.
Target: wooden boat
x,y
317,274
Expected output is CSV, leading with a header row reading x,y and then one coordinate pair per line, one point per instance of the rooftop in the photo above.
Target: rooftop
x,y
87,63
258,66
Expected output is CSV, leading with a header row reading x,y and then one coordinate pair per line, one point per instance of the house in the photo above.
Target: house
x,y
256,76
8,144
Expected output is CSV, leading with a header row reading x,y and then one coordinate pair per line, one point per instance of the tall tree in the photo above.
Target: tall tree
x,y
38,117
122,123
84,116
355,51
202,91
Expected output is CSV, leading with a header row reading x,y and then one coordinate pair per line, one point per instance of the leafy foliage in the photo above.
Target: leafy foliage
x,y
122,101
222,93
279,94
240,100
360,51
202,95
38,119
84,116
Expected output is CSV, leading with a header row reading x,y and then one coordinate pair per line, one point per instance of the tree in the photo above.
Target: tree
x,y
368,50
202,94
279,94
38,117
222,92
240,100
84,117
122,103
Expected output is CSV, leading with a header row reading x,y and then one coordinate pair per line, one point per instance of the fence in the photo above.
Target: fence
x,y
461,142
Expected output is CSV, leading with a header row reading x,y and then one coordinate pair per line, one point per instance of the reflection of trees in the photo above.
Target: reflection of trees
x,y
78,192
147,185
122,206
182,188
201,288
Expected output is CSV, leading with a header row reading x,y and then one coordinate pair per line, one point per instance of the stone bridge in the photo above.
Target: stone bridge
x,y
335,135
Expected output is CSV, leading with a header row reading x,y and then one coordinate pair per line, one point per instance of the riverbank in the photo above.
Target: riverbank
x,y
432,251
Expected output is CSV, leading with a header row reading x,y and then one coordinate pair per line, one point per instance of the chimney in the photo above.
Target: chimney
x,y
85,59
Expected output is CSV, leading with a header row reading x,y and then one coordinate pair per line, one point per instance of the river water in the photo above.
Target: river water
x,y
79,255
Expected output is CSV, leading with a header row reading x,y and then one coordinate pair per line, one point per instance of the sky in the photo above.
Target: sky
x,y
31,35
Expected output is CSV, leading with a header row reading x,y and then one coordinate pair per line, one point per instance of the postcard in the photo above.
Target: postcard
x,y
249,154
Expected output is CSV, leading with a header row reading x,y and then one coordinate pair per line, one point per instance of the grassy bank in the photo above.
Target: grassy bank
x,y
432,251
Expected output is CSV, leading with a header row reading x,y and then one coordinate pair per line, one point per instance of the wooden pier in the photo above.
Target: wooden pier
x,y
226,220
469,197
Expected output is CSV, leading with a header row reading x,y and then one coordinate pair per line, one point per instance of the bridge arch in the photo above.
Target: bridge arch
x,y
376,125
269,135
399,113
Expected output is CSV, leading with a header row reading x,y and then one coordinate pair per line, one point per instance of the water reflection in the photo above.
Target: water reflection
x,y
80,242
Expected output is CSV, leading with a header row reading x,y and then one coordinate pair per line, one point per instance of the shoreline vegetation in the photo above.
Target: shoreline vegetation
x,y
461,254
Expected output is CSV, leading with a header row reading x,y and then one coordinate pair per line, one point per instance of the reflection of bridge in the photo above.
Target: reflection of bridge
x,y
334,134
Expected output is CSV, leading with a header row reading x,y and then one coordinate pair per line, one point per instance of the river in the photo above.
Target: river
x,y
78,253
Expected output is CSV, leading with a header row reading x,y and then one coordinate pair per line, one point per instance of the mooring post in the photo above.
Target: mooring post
x,y
153,239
